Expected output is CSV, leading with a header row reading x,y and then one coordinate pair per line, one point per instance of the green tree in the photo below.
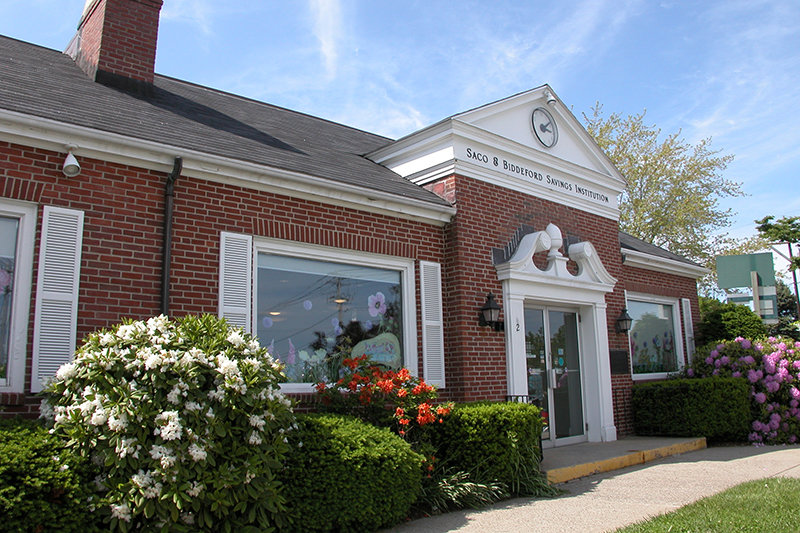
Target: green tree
x,y
726,321
785,230
674,188
787,313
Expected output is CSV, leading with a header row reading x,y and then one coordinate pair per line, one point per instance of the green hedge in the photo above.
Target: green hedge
x,y
43,487
715,408
343,474
494,442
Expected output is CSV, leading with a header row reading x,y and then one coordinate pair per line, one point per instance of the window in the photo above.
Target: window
x,y
314,306
313,313
655,339
17,225
8,260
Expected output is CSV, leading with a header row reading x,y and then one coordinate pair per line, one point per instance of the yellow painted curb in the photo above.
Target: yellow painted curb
x,y
568,473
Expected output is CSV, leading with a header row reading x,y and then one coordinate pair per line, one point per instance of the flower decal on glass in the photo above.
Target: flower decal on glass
x,y
377,304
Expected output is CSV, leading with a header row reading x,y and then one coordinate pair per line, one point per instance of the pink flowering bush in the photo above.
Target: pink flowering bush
x,y
184,420
772,368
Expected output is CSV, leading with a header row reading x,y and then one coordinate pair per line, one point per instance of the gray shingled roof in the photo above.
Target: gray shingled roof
x,y
47,83
630,242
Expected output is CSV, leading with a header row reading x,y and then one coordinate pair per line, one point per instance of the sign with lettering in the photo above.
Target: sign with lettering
x,y
383,349
493,161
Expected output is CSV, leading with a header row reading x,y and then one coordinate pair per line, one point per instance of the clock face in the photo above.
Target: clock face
x,y
544,127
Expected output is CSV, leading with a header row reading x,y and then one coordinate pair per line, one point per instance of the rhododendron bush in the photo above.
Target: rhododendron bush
x,y
185,420
772,368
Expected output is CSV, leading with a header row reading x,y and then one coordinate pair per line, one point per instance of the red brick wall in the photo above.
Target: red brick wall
x,y
123,228
487,218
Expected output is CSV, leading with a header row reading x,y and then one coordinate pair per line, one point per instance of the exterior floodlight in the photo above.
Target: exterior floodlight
x,y
71,167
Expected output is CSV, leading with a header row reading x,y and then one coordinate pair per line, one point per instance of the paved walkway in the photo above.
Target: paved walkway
x,y
607,501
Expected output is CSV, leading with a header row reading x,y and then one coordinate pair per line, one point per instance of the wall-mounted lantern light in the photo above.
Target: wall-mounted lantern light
x,y
624,322
490,314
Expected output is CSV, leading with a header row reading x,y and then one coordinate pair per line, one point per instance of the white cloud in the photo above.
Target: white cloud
x,y
327,25
198,13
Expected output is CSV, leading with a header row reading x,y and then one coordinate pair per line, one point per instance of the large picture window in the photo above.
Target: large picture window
x,y
654,336
314,309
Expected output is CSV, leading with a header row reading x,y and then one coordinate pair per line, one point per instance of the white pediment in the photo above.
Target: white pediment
x,y
591,275
497,143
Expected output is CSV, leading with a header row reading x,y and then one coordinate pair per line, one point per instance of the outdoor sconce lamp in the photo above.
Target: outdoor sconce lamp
x,y
624,322
490,314
70,168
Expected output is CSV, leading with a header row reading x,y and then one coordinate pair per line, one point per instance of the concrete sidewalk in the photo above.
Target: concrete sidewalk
x,y
605,502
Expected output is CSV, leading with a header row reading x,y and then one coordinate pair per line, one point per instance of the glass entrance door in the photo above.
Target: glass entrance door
x,y
554,371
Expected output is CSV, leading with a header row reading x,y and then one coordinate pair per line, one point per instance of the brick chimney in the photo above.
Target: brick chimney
x,y
116,42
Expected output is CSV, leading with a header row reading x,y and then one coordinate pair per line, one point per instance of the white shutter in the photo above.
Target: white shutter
x,y
235,279
688,327
56,315
430,276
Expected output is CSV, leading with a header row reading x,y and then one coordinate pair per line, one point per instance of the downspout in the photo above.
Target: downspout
x,y
169,202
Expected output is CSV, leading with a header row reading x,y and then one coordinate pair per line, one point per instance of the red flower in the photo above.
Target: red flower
x,y
399,412
321,386
401,393
386,386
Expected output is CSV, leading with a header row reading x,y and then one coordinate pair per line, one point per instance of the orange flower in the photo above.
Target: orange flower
x,y
401,393
399,412
321,386
386,386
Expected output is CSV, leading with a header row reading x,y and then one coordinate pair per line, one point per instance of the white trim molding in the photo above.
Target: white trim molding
x,y
647,261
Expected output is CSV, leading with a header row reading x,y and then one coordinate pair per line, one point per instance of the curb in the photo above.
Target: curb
x,y
568,473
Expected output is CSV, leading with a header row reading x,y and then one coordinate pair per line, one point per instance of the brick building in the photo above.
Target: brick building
x,y
127,194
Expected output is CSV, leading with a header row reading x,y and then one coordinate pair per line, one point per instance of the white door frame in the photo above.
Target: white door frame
x,y
555,286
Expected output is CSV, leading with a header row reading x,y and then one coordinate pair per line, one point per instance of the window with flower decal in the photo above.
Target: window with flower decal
x,y
655,338
313,311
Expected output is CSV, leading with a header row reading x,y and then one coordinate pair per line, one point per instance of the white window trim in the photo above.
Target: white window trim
x,y
26,213
323,253
676,321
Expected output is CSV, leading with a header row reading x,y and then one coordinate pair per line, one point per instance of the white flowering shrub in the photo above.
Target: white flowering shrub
x,y
185,421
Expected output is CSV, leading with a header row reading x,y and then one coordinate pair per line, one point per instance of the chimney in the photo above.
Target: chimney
x,y
116,42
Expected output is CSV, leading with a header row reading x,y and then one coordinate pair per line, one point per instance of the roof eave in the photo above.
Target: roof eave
x,y
646,261
54,135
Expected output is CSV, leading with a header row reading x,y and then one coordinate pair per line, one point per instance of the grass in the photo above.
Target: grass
x,y
761,506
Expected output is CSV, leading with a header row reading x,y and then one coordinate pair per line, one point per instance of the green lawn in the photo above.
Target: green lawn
x,y
765,506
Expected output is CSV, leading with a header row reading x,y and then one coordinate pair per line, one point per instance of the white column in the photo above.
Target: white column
x,y
608,431
515,342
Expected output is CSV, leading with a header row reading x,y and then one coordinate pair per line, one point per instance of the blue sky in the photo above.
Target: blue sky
x,y
727,69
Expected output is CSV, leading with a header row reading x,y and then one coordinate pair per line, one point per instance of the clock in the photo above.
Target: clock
x,y
544,127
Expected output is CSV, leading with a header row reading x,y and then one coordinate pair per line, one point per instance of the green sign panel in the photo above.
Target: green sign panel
x,y
733,271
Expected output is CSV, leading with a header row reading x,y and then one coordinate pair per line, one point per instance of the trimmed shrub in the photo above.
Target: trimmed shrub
x,y
716,408
343,474
494,442
43,487
185,419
